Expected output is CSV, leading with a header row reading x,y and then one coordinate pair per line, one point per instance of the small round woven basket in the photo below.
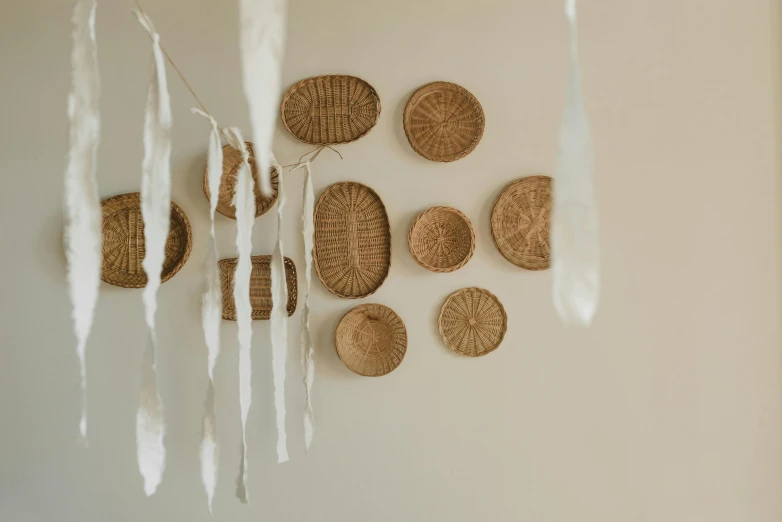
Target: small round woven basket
x,y
443,121
441,239
371,340
232,159
520,222
123,242
472,322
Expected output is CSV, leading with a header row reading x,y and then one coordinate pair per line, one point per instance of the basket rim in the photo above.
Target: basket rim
x,y
472,289
420,217
359,309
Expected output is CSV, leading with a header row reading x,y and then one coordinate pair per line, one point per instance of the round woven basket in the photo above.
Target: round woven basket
x,y
520,222
472,322
232,159
123,242
441,239
371,340
443,121
328,110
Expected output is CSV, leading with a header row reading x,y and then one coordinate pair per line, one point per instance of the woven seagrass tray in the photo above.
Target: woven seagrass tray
x,y
441,239
371,340
472,322
260,287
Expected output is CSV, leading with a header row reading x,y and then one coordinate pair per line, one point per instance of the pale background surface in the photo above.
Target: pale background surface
x,y
667,409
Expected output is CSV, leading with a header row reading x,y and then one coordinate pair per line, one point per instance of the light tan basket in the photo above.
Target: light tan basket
x,y
472,322
441,239
260,287
124,247
371,340
520,222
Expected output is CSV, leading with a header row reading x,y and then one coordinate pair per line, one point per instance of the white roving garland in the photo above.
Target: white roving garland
x,y
307,352
156,212
83,236
262,39
575,246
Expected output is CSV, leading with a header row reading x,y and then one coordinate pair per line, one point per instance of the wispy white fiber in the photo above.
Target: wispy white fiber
x,y
307,352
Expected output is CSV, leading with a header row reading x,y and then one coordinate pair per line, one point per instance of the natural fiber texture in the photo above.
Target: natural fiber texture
x,y
260,287
441,239
124,244
472,322
232,160
326,110
443,121
352,240
371,340
305,337
520,222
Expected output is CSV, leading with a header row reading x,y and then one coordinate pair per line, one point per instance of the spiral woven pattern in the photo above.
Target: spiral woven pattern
x,y
473,322
441,239
124,247
260,287
371,340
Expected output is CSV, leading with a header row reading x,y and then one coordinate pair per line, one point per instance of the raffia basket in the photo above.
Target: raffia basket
x,y
124,247
328,110
443,121
520,222
232,159
352,251
371,340
441,239
472,322
260,287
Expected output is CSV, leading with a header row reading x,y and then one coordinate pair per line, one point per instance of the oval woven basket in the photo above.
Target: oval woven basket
x,y
260,287
371,340
443,121
232,158
441,239
123,242
352,251
472,322
328,110
520,222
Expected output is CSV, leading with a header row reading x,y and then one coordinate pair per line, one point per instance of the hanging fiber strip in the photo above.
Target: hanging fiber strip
x,y
83,235
575,245
156,212
307,352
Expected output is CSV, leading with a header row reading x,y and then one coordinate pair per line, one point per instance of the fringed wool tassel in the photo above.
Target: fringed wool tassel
x,y
262,40
575,246
156,212
211,316
307,352
279,327
244,201
83,237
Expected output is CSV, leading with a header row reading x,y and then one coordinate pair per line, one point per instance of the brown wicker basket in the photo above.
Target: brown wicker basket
x,y
443,121
123,242
441,239
371,340
232,159
260,287
352,251
472,322
520,222
327,110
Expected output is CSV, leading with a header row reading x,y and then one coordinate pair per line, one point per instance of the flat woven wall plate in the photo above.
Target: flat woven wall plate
x,y
472,322
441,239
352,240
371,340
328,110
123,242
520,222
260,287
232,158
443,121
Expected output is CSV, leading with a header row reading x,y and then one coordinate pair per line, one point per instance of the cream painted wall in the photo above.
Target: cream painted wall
x,y
667,409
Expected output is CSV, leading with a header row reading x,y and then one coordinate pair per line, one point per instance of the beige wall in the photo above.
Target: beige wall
x,y
668,409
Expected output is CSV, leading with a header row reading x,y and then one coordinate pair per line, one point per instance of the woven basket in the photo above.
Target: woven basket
x,y
371,340
443,121
327,110
232,159
441,239
260,287
352,240
123,242
472,322
520,222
